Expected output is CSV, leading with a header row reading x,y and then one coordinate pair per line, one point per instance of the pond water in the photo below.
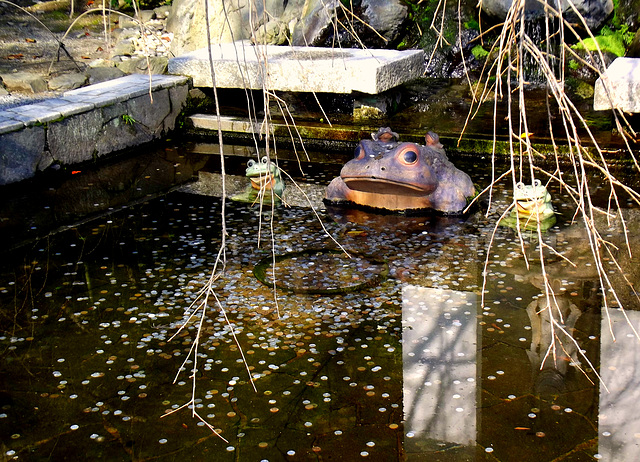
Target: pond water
x,y
410,365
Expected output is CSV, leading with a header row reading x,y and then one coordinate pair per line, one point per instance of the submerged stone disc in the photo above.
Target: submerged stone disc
x,y
321,271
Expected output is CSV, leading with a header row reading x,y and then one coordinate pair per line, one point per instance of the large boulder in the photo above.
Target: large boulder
x,y
373,23
316,22
229,20
595,12
276,22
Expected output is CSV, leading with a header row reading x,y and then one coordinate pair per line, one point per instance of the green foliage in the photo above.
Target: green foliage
x,y
128,120
479,53
472,24
613,41
573,64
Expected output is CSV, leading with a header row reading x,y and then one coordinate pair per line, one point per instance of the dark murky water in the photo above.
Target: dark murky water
x,y
414,368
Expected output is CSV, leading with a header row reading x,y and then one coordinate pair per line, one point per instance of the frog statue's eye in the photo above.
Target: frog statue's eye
x,y
251,163
264,160
409,157
358,153
407,154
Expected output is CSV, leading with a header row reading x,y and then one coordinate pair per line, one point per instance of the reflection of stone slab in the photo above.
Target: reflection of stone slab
x,y
619,421
303,69
439,366
623,77
301,195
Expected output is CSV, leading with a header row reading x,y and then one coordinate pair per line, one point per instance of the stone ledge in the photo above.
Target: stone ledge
x,y
88,122
301,69
623,82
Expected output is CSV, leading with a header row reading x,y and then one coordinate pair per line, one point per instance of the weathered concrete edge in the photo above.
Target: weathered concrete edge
x,y
239,65
348,135
89,122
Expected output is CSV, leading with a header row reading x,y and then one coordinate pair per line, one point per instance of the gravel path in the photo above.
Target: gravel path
x,y
26,45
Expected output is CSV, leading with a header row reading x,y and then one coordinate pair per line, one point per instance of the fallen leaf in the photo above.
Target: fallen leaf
x,y
30,40
85,57
75,172
16,56
99,49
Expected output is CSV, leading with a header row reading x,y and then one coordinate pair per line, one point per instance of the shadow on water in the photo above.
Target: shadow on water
x,y
414,368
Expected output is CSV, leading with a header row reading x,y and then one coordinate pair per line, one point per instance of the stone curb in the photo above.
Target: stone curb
x,y
88,122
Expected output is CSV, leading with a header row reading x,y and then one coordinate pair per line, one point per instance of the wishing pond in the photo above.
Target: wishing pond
x,y
411,365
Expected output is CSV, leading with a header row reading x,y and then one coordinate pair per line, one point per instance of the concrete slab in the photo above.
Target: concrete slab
x,y
622,79
301,69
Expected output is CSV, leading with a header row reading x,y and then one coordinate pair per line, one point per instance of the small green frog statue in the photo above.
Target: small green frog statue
x,y
266,182
532,205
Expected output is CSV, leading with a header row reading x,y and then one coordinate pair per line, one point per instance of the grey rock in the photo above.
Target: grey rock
x,y
124,47
178,99
102,74
123,33
149,114
157,65
623,81
20,154
162,12
272,33
385,16
197,94
316,18
101,63
230,20
119,132
67,82
595,12
24,81
127,23
3,91
73,140
146,15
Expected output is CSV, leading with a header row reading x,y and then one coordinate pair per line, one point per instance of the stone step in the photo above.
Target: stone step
x,y
623,79
300,69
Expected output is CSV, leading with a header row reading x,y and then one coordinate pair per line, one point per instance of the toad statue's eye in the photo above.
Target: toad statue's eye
x,y
410,157
358,153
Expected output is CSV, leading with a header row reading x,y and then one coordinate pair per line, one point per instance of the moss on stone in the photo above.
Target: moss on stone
x,y
479,52
612,41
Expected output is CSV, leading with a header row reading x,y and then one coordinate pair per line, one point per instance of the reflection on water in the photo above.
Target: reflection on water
x,y
415,368
439,364
619,422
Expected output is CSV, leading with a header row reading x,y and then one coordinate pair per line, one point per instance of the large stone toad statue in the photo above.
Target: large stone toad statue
x,y
387,174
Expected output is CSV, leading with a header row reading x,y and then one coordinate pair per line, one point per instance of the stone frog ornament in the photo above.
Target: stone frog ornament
x,y
266,181
533,199
533,208
391,175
